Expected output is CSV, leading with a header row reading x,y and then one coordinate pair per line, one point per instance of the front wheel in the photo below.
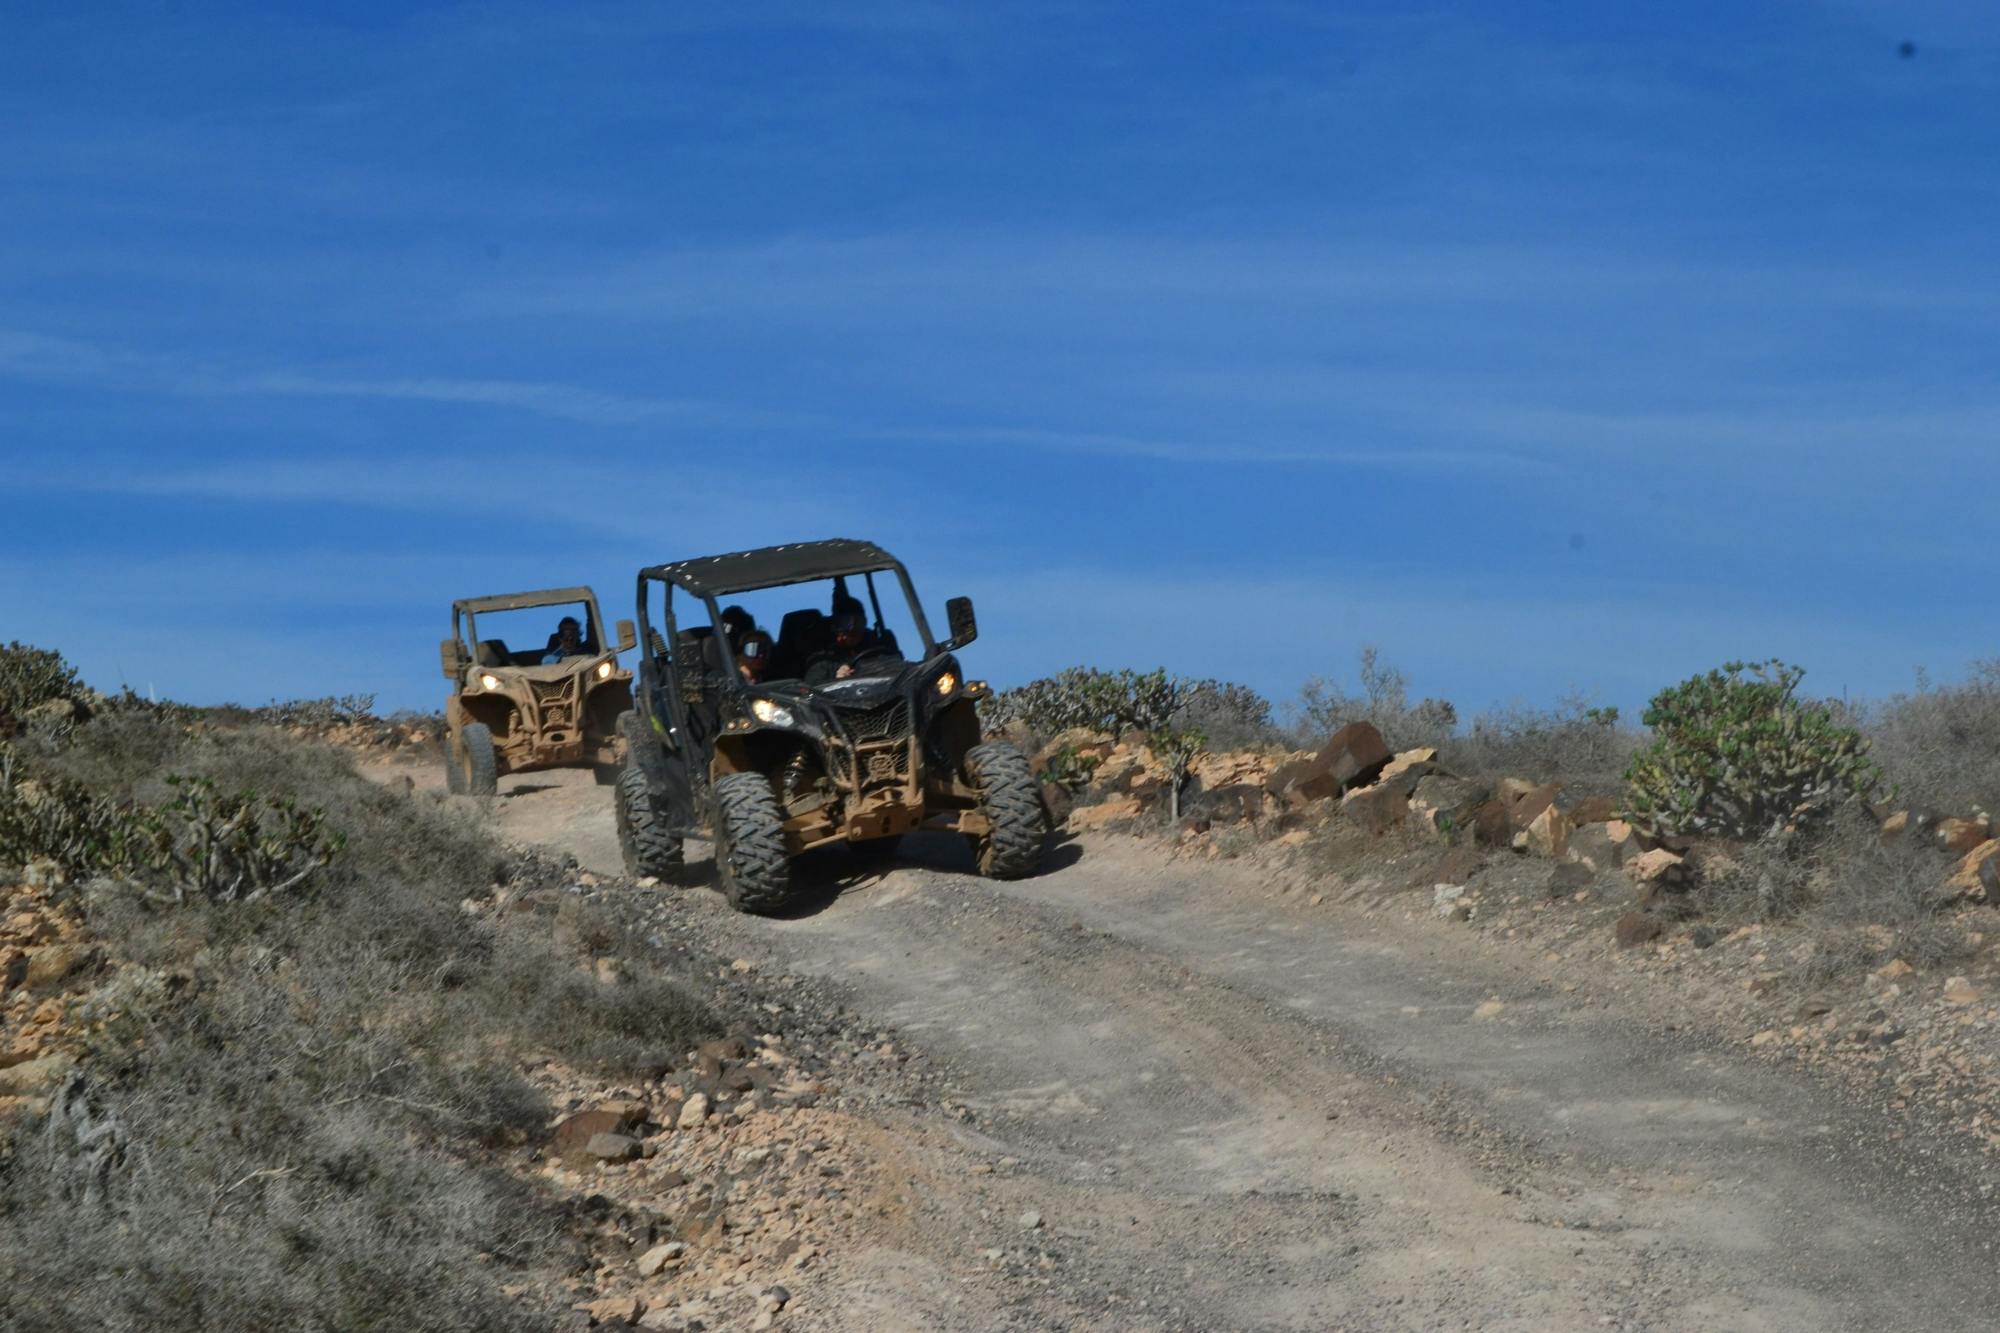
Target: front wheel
x,y
648,845
750,846
1011,846
481,765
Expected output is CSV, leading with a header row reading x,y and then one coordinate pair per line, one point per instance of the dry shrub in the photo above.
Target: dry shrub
x,y
1940,744
1574,743
1325,706
1860,901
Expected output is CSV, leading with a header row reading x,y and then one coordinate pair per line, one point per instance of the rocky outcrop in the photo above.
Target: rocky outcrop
x,y
1352,757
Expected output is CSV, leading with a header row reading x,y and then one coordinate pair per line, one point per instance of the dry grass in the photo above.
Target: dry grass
x,y
1940,744
286,1107
1581,747
1859,901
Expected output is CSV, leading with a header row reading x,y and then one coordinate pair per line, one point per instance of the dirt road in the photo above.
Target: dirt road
x,y
1208,1108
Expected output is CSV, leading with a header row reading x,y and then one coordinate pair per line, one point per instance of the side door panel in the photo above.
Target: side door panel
x,y
672,773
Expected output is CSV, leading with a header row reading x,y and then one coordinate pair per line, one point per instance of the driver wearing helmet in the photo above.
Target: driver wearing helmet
x,y
854,651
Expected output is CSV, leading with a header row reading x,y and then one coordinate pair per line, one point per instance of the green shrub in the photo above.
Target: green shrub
x,y
31,677
1115,702
201,844
1735,753
1177,748
1069,768
1112,702
64,822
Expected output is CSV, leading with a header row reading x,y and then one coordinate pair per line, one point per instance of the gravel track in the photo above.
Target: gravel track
x,y
1173,1101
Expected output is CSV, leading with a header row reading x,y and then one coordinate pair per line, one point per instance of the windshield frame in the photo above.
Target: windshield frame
x,y
732,678
468,635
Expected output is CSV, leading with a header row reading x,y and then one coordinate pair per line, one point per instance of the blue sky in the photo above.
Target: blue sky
x,y
1548,346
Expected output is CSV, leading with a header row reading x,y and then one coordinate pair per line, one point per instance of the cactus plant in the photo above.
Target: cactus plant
x,y
1735,753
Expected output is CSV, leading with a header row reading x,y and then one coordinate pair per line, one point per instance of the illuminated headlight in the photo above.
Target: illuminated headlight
x,y
604,671
489,682
776,715
946,683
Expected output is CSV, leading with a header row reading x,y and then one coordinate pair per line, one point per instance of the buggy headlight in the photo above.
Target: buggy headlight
x,y
946,684
604,671
776,715
489,682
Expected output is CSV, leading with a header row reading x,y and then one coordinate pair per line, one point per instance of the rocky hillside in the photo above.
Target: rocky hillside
x,y
284,1046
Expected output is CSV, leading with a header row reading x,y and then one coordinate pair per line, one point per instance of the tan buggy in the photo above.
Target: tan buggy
x,y
520,701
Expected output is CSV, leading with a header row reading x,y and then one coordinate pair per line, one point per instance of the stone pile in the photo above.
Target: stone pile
x,y
708,1192
1976,876
45,956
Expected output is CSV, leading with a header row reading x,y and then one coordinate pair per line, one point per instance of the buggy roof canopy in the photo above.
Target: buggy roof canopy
x,y
515,601
774,566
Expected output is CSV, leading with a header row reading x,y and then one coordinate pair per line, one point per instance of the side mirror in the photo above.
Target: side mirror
x,y
451,656
964,625
628,637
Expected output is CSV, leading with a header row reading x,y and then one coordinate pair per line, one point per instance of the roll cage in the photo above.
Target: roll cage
x,y
466,610
711,578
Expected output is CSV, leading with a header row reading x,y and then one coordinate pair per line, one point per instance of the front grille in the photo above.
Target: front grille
x,y
556,700
884,722
880,763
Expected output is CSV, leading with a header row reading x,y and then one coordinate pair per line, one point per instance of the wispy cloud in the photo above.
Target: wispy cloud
x,y
37,357
32,356
867,280
1252,447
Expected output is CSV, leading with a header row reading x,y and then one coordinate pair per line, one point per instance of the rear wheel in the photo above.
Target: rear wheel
x,y
750,845
480,765
1011,848
649,846
454,766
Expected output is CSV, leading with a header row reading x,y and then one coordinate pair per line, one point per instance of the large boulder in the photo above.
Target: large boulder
x,y
1959,836
1351,757
1079,740
1977,874
1232,769
1591,845
1114,811
1407,769
1628,843
1527,806
1378,807
1657,874
1593,810
1445,804
1287,773
1490,825
1547,835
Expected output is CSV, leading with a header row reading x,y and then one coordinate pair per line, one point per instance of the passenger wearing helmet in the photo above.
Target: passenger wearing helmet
x,y
753,656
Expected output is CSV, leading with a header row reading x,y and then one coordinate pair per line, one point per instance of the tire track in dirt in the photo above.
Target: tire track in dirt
x,y
1228,1114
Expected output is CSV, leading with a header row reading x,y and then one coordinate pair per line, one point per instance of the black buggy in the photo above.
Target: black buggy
x,y
727,739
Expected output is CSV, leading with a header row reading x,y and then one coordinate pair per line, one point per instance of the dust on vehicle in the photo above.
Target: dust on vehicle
x,y
533,686
805,732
